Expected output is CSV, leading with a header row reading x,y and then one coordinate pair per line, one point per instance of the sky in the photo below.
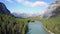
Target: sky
x,y
27,6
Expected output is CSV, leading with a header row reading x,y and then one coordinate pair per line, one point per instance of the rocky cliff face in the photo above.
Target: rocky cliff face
x,y
51,10
4,10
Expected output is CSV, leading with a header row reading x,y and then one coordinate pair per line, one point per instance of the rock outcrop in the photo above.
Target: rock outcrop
x,y
4,10
51,10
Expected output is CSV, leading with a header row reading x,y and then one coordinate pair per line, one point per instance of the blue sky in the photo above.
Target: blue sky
x,y
27,6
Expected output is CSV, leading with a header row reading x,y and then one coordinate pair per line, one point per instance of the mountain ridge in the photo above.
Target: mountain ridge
x,y
51,10
4,10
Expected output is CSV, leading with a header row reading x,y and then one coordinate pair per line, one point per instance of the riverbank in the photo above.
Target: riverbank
x,y
48,31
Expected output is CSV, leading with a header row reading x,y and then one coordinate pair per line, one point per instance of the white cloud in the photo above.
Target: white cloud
x,y
32,4
27,3
39,3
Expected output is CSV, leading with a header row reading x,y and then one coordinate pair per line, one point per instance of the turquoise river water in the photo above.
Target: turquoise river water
x,y
36,28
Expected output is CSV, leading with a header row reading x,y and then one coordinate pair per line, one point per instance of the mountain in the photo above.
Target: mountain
x,y
4,10
51,10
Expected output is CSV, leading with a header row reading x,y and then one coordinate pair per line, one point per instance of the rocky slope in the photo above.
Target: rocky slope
x,y
51,10
4,10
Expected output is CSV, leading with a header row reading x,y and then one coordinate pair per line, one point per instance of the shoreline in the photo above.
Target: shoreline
x,y
48,30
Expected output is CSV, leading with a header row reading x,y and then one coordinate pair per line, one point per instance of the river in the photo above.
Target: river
x,y
36,28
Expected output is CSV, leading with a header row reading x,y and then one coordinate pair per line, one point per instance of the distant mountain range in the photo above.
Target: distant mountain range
x,y
24,15
21,15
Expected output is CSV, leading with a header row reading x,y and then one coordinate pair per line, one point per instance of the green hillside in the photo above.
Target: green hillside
x,y
53,23
11,25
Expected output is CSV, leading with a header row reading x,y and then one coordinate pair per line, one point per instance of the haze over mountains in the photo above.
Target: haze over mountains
x,y
25,15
